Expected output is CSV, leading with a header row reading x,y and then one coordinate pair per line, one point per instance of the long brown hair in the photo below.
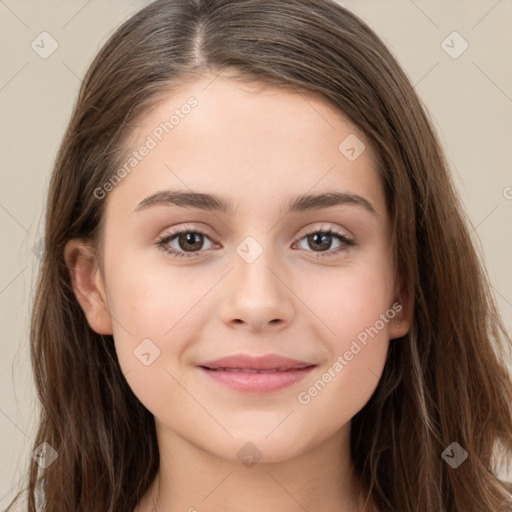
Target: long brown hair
x,y
446,381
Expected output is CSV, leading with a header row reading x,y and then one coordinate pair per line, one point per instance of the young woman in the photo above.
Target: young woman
x,y
259,290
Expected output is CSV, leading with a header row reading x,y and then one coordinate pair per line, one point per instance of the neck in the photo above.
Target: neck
x,y
192,479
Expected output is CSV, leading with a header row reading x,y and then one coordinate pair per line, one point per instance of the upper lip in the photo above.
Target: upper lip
x,y
266,362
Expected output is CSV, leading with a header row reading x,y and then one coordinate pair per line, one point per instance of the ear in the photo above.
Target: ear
x,y
88,285
402,305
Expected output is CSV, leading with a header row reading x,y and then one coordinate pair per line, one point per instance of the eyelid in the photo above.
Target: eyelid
x,y
314,228
186,227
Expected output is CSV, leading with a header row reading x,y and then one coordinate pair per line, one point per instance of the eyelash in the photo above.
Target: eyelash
x,y
165,239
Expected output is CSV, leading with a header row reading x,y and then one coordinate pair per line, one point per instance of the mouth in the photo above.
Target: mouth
x,y
249,374
252,370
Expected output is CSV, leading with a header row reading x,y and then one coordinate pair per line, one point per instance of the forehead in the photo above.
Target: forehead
x,y
236,140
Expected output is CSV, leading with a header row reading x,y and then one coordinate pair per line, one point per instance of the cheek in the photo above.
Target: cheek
x,y
147,342
155,309
358,311
349,299
150,299
345,385
356,306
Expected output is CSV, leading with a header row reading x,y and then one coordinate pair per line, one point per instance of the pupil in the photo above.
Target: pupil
x,y
325,239
189,239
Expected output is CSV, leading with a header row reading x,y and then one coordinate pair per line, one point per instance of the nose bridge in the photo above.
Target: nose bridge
x,y
255,266
257,293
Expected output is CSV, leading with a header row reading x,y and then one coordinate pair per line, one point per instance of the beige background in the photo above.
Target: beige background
x,y
469,98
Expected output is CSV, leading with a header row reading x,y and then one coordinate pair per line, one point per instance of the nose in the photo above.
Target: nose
x,y
258,296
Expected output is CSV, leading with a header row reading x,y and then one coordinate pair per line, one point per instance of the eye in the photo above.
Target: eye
x,y
187,239
190,241
320,239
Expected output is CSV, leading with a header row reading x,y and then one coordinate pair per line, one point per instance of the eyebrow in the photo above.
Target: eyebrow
x,y
299,203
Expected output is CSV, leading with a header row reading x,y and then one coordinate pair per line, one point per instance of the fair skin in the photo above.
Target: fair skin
x,y
257,149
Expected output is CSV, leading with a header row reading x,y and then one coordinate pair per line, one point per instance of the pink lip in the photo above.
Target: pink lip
x,y
256,374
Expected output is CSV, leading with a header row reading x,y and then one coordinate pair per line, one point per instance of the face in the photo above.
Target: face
x,y
185,282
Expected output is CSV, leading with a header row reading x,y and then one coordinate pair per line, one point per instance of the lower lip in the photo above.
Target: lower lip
x,y
258,382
